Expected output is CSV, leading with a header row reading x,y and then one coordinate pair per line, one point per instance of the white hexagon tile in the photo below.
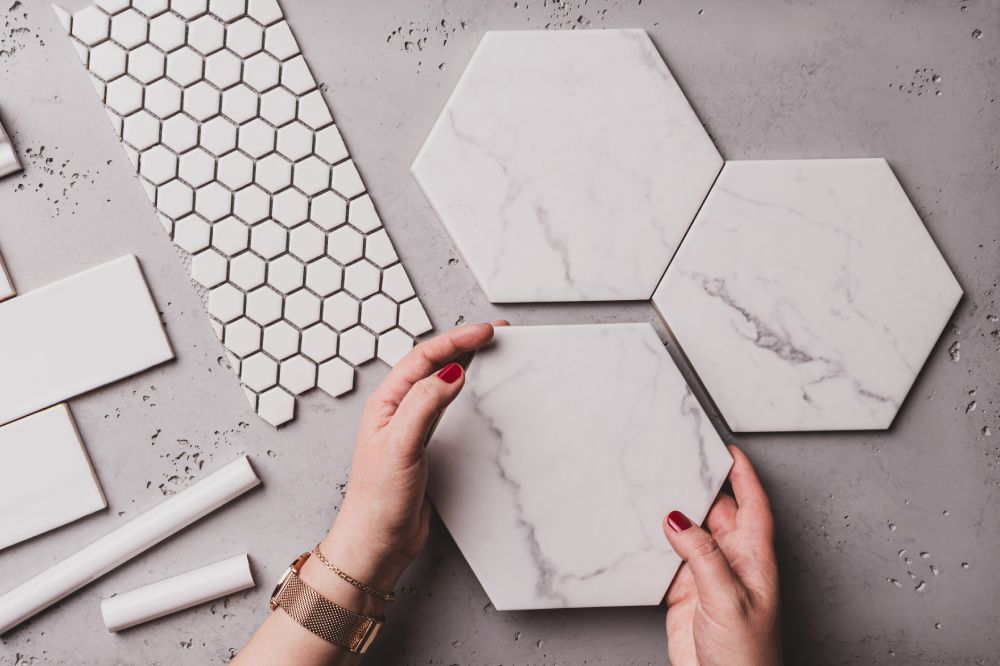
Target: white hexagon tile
x,y
555,466
237,149
807,295
567,165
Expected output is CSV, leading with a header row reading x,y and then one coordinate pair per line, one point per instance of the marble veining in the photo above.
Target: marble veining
x,y
556,464
567,166
807,294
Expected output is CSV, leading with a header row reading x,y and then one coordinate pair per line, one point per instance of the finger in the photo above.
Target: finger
x,y
422,360
717,585
750,495
421,406
722,516
500,322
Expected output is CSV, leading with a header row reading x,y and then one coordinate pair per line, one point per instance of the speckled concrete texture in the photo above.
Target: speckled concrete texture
x,y
888,541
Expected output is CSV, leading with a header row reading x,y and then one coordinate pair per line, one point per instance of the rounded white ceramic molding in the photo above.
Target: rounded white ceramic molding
x,y
567,165
235,145
807,295
555,465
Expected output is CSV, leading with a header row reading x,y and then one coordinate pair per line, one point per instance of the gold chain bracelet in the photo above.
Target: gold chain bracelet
x,y
384,596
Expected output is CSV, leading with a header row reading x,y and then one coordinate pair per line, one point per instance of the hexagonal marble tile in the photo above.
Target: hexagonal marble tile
x,y
807,295
554,467
237,149
567,165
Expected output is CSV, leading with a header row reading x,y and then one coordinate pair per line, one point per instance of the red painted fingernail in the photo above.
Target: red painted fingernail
x,y
450,373
678,521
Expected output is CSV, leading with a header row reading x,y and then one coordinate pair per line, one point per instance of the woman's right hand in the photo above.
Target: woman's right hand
x,y
723,607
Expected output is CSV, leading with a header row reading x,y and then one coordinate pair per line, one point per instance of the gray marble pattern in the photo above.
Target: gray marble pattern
x,y
567,165
807,295
555,466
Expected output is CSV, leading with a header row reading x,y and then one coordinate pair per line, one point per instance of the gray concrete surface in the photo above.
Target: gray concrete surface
x,y
863,518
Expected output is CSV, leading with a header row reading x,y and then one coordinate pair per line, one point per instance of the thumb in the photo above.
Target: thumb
x,y
717,585
420,408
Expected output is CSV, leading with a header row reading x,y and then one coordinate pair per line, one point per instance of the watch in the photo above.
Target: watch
x,y
349,630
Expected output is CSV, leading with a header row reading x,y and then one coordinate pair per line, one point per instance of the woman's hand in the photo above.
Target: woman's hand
x,y
723,606
385,518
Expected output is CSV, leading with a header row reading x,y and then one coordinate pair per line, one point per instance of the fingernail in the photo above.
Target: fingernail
x,y
450,373
678,521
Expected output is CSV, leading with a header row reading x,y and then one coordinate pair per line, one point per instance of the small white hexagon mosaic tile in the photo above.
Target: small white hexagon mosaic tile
x,y
237,149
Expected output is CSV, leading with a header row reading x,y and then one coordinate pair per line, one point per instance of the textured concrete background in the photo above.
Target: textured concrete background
x,y
888,541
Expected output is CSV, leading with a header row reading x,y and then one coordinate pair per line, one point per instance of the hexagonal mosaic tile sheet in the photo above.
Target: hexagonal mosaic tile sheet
x,y
807,295
236,147
555,466
567,165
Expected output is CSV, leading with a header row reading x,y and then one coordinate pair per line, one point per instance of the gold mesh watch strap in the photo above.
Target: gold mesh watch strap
x,y
324,618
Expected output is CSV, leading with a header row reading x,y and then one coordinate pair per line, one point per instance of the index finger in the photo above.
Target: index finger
x,y
424,359
750,495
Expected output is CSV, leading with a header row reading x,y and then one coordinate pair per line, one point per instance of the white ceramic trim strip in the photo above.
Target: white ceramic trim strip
x,y
77,334
177,593
124,543
46,479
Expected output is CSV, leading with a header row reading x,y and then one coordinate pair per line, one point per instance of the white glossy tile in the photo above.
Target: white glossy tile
x,y
807,295
146,63
297,374
281,340
9,163
567,165
554,467
396,284
341,310
357,345
379,313
259,372
302,308
46,479
324,276
413,318
319,342
247,271
393,345
236,147
6,285
77,334
335,377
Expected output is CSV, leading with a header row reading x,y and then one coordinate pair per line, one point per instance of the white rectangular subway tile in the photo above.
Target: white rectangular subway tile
x,y
239,153
6,285
77,334
177,593
8,156
46,479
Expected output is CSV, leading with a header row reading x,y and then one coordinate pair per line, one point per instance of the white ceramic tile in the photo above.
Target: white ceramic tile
x,y
236,147
319,342
361,279
46,479
567,165
335,377
77,334
298,374
379,313
357,345
394,345
302,308
807,295
6,285
340,311
281,340
259,372
556,464
413,319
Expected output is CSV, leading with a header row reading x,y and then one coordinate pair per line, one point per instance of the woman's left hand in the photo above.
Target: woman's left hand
x,y
384,521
